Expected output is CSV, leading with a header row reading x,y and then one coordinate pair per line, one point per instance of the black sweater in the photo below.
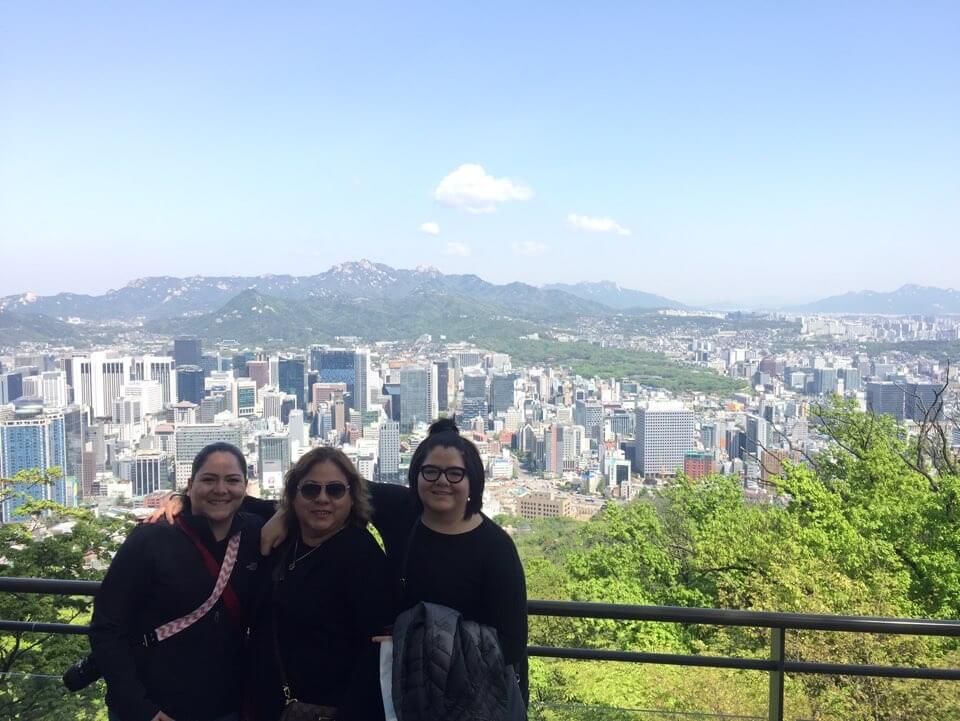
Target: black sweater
x,y
158,576
328,607
477,573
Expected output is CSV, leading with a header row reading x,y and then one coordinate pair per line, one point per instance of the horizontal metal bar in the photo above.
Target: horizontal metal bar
x,y
840,669
36,627
755,619
50,586
671,659
621,612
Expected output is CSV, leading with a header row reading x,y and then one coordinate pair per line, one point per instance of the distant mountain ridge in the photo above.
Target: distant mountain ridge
x,y
615,296
164,297
906,300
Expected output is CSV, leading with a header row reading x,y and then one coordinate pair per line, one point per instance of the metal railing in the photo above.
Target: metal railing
x,y
777,665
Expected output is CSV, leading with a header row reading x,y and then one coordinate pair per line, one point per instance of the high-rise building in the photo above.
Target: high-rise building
x,y
361,384
851,380
293,379
296,428
75,430
160,369
392,392
475,384
190,386
886,398
53,389
664,432
149,393
757,436
339,365
589,414
150,473
11,387
501,392
187,352
259,372
273,461
443,385
272,401
415,396
34,439
388,469
244,397
190,440
708,436
825,381
698,464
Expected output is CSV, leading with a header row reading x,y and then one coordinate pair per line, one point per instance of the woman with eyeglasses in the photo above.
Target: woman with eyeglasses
x,y
329,594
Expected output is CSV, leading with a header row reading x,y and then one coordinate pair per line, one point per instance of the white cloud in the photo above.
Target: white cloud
x,y
430,228
596,225
458,249
470,188
529,247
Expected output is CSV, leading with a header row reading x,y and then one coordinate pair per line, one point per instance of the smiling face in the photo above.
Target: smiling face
x,y
323,515
217,489
442,498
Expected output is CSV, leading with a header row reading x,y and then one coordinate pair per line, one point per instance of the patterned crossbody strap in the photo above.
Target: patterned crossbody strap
x,y
176,626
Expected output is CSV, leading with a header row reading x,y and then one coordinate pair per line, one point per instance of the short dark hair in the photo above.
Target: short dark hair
x,y
218,447
444,433
360,493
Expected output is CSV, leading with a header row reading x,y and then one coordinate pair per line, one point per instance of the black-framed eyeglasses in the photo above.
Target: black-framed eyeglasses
x,y
454,474
334,490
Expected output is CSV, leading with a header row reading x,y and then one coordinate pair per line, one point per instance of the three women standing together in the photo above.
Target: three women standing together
x,y
315,603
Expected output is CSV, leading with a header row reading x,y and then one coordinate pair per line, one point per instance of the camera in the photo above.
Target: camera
x,y
81,674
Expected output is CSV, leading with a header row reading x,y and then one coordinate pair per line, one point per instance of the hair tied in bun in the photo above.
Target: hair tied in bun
x,y
443,425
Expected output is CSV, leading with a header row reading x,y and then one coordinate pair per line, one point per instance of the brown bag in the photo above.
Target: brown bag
x,y
297,711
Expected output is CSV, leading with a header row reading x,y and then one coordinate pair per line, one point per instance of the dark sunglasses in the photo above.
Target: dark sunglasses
x,y
454,474
335,490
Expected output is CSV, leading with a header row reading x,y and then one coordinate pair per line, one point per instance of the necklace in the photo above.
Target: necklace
x,y
296,547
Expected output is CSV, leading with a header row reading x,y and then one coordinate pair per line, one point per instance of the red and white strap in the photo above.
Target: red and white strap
x,y
229,560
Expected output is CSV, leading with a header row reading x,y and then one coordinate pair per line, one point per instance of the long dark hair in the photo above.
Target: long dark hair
x,y
218,447
359,492
445,434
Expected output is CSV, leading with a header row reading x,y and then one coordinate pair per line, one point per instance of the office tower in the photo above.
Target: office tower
x,y
273,461
622,422
825,381
757,437
921,402
160,369
664,432
589,414
388,468
443,385
149,393
708,436
292,379
210,363
339,365
240,361
259,372
475,384
190,386
697,464
151,473
211,406
187,352
190,440
295,427
851,380
75,437
127,411
415,396
53,389
361,384
243,397
736,444
501,392
185,413
392,392
287,404
272,401
33,439
886,398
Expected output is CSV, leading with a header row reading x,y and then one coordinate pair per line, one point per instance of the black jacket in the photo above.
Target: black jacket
x,y
158,576
329,606
448,669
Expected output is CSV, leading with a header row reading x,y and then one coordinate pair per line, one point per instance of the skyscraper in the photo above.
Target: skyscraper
x,y
339,365
151,472
187,352
415,396
501,392
361,388
443,385
190,385
389,452
160,369
293,379
259,372
244,397
190,440
664,432
34,439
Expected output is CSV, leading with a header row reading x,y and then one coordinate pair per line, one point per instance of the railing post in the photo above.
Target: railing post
x,y
778,639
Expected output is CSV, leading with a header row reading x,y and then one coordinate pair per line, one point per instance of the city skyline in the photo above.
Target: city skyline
x,y
687,154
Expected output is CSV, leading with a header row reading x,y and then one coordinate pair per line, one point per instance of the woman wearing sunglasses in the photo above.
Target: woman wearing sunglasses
x,y
329,594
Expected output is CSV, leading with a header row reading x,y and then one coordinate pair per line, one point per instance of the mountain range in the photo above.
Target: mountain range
x,y
361,298
906,300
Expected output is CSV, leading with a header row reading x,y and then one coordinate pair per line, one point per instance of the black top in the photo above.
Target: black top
x,y
328,607
477,573
158,576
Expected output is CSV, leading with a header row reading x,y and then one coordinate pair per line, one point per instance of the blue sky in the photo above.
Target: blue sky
x,y
747,152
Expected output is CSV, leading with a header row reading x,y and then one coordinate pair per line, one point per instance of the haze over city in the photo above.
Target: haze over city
x,y
704,156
